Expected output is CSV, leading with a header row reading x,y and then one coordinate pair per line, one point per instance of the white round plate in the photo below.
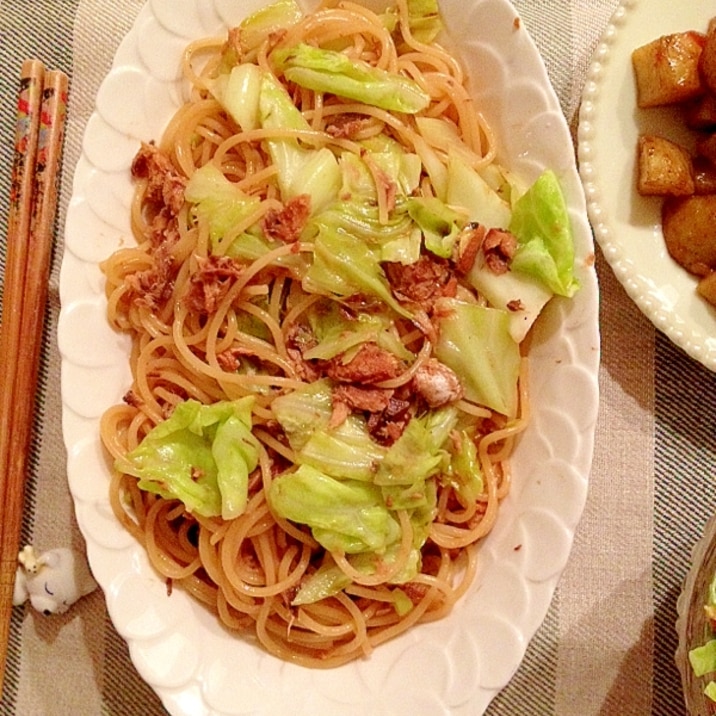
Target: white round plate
x,y
457,664
628,226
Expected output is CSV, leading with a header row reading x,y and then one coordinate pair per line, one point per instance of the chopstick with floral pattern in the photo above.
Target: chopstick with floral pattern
x,y
41,112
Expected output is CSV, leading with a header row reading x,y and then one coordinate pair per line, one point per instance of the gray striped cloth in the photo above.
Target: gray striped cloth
x,y
606,646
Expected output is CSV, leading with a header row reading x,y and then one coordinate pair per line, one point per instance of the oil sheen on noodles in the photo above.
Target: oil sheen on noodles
x,y
247,569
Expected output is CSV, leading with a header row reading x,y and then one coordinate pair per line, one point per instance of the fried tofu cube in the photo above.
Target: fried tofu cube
x,y
708,58
706,147
667,70
689,228
701,113
663,168
704,176
706,288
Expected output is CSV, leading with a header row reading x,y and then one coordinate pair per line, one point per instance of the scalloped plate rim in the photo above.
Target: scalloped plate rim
x,y
577,348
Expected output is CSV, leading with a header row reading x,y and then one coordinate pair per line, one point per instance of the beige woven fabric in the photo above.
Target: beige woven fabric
x,y
604,604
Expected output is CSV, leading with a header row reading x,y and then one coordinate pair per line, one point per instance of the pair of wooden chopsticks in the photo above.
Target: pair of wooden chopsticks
x,y
41,111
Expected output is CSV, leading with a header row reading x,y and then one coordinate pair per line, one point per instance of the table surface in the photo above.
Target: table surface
x,y
607,644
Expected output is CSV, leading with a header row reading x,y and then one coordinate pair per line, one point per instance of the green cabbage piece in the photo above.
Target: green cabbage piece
x,y
703,658
251,325
443,135
356,211
357,181
404,250
540,221
351,518
354,219
486,202
347,488
504,288
344,266
202,455
420,500
238,92
467,188
397,240
333,72
252,245
464,472
221,203
424,20
370,562
258,26
504,182
417,454
403,604
407,497
710,690
347,451
337,331
304,411
346,516
440,224
301,170
475,341
327,581
403,168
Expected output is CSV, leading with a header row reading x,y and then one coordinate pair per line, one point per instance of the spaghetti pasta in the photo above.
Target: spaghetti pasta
x,y
244,315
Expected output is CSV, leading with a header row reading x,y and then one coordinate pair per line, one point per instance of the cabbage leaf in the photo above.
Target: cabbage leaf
x,y
347,516
440,224
703,658
218,201
475,341
540,221
333,72
301,170
238,92
417,454
201,455
424,20
344,266
327,581
464,472
337,331
274,17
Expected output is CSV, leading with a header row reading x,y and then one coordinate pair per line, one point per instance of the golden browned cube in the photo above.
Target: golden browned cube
x,y
663,168
689,226
701,113
706,147
708,58
704,176
706,288
667,69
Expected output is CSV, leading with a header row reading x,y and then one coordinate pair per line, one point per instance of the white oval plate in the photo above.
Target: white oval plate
x,y
628,226
459,663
